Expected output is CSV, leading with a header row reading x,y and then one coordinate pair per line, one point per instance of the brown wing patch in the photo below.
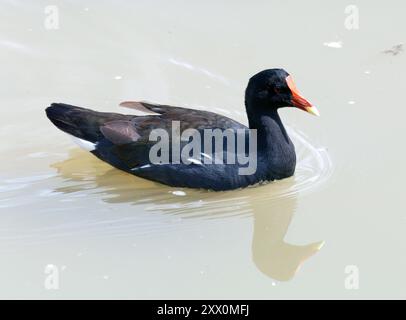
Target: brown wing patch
x,y
120,132
189,118
139,106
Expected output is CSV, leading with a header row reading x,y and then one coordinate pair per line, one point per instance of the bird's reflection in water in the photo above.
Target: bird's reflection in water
x,y
271,206
271,254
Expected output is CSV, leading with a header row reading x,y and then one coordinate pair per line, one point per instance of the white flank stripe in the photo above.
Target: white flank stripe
x,y
194,161
84,144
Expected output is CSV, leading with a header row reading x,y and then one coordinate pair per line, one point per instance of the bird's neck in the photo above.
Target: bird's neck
x,y
274,144
269,126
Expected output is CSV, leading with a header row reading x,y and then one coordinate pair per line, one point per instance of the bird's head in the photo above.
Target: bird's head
x,y
273,89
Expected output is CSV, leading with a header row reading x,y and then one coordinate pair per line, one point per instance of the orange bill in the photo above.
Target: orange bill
x,y
298,100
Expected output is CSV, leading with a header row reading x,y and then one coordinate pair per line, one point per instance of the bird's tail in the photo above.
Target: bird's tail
x,y
79,122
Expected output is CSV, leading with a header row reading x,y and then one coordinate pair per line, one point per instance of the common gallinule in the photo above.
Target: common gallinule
x,y
128,142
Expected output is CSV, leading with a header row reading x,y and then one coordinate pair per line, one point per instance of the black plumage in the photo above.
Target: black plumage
x,y
124,140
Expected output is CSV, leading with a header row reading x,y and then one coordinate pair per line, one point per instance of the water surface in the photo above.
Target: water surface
x,y
113,235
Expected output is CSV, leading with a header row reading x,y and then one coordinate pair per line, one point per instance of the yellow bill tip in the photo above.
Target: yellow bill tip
x,y
313,110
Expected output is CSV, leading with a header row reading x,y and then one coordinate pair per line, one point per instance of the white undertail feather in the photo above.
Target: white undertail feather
x,y
84,144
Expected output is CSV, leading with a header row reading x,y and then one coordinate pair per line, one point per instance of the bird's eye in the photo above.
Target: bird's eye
x,y
279,89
